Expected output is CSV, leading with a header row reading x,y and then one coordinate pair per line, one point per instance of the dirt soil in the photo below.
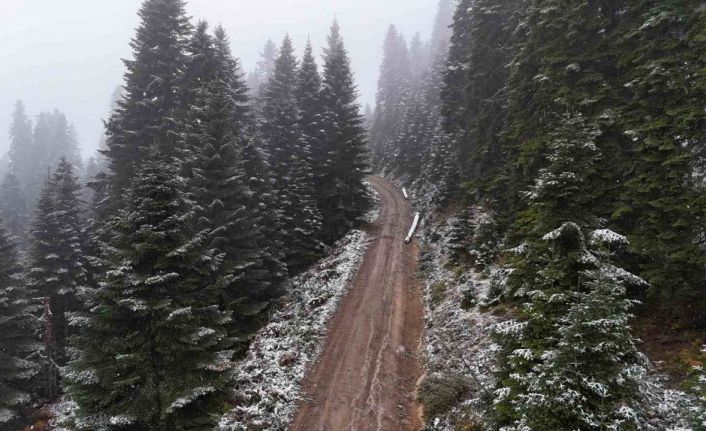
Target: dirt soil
x,y
366,376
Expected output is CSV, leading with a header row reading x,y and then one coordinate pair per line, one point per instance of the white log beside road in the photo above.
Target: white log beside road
x,y
410,235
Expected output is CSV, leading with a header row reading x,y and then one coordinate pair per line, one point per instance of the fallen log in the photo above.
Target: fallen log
x,y
410,235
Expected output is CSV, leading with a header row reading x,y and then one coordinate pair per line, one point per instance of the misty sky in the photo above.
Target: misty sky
x,y
66,54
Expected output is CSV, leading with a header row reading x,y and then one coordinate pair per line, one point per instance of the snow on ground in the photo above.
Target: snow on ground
x,y
267,382
457,342
373,214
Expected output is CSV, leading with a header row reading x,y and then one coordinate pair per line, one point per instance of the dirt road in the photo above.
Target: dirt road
x,y
366,376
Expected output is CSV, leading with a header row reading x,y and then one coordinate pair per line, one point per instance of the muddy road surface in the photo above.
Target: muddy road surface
x,y
366,377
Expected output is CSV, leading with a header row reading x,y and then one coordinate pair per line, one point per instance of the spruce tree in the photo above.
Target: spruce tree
x,y
663,207
163,357
18,367
570,362
219,189
308,93
229,70
263,204
395,77
22,154
343,198
56,266
262,73
148,112
290,161
14,208
475,95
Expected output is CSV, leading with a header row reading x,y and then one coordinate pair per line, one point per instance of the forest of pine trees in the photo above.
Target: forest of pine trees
x,y
575,131
210,191
578,130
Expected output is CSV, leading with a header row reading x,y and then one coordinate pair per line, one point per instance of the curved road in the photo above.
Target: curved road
x,y
366,376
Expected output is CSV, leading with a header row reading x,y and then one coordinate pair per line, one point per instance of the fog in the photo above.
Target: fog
x,y
67,54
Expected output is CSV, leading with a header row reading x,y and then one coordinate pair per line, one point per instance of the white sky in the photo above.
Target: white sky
x,y
66,54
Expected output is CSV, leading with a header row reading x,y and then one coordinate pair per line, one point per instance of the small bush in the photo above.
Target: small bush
x,y
440,394
438,292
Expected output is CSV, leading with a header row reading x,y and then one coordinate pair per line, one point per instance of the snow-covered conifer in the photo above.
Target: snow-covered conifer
x,y
18,366
147,114
342,197
57,270
14,207
290,161
218,182
163,357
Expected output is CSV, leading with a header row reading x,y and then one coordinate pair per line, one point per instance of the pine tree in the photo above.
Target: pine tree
x,y
21,151
230,71
395,77
54,139
148,112
200,70
290,161
662,207
263,72
308,93
343,198
419,57
218,184
57,271
475,95
17,343
163,360
14,208
262,202
571,362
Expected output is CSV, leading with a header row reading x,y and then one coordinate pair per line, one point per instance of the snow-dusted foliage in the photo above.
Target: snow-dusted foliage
x,y
267,382
17,344
458,350
463,316
699,408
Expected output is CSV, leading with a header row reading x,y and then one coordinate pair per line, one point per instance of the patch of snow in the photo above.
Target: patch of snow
x,y
457,342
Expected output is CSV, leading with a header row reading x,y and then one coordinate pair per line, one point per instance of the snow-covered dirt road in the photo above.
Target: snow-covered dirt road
x,y
366,376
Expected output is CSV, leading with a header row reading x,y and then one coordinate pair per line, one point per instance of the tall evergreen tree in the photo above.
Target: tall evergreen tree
x,y
263,204
57,271
148,112
219,188
343,198
21,152
14,208
395,77
663,207
163,360
263,72
17,341
290,161
475,95
571,362
229,71
308,93
54,139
